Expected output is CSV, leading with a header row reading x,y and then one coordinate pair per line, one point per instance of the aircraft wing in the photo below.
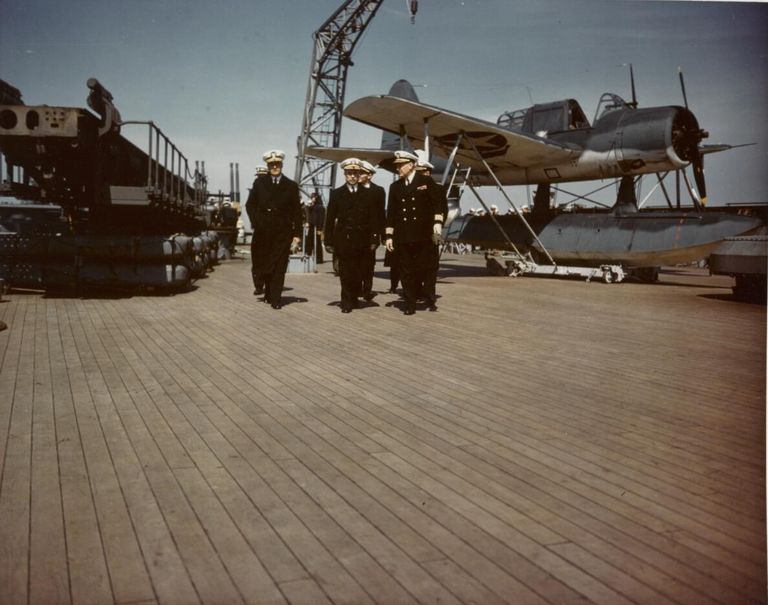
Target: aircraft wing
x,y
500,147
338,154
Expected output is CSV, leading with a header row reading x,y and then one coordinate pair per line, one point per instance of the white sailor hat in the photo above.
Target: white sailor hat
x,y
424,165
261,169
368,167
273,155
351,164
405,156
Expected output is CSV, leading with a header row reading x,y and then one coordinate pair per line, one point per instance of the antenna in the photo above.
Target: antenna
x,y
682,85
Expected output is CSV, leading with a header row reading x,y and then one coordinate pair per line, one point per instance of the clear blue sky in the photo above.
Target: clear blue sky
x,y
227,79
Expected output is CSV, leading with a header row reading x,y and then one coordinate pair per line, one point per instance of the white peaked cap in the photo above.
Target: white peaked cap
x,y
273,155
405,156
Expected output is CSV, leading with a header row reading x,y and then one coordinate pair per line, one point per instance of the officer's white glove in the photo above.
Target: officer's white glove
x,y
437,228
389,244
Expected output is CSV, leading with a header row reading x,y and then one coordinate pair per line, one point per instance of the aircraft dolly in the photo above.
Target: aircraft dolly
x,y
517,263
517,266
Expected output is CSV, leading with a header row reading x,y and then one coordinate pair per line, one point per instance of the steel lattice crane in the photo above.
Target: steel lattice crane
x,y
335,41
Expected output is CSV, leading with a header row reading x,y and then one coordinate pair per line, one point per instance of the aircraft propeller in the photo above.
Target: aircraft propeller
x,y
696,157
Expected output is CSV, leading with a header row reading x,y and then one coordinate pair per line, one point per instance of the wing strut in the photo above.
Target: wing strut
x,y
496,222
664,189
452,157
510,202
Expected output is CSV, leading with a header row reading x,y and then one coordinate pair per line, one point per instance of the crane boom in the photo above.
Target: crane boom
x,y
335,42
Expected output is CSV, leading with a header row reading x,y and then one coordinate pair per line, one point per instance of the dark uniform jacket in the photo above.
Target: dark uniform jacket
x,y
412,211
352,221
379,197
276,218
315,215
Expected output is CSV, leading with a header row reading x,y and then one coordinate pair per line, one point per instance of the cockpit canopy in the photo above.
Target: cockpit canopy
x,y
610,102
545,117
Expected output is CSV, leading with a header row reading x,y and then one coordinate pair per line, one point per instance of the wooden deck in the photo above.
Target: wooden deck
x,y
534,441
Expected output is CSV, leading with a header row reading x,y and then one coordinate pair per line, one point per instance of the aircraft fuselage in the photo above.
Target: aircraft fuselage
x,y
623,142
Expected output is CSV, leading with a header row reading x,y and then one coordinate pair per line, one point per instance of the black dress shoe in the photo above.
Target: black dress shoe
x,y
346,310
409,312
369,296
432,305
258,291
277,306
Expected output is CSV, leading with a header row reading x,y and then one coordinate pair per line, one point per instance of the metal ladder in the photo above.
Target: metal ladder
x,y
457,184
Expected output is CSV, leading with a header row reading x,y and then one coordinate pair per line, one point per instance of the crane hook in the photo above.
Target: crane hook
x,y
413,6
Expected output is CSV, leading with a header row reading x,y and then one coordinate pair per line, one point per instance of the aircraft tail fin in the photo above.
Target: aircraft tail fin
x,y
391,142
404,90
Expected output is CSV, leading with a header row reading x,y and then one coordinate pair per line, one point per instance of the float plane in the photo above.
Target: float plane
x,y
551,143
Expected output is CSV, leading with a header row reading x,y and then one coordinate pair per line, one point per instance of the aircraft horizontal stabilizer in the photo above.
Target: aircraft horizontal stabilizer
x,y
500,147
338,154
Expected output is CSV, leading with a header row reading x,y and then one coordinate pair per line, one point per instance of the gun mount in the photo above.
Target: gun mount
x,y
105,186
71,157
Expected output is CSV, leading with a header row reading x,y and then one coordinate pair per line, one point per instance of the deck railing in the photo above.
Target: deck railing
x,y
168,171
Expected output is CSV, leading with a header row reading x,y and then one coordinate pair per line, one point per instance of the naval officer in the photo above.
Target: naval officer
x,y
258,280
352,228
378,197
430,275
274,209
314,217
414,219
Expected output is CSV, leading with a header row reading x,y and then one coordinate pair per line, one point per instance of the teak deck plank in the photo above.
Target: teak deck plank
x,y
535,441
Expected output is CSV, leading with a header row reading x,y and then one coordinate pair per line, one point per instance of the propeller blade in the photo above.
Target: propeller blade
x,y
632,81
682,86
698,176
697,159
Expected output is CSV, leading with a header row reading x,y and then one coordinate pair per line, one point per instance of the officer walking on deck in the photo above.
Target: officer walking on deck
x,y
352,228
414,219
274,209
378,197
258,280
430,275
315,219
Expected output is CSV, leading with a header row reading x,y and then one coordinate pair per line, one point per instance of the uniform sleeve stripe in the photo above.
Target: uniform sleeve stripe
x,y
439,218
389,230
